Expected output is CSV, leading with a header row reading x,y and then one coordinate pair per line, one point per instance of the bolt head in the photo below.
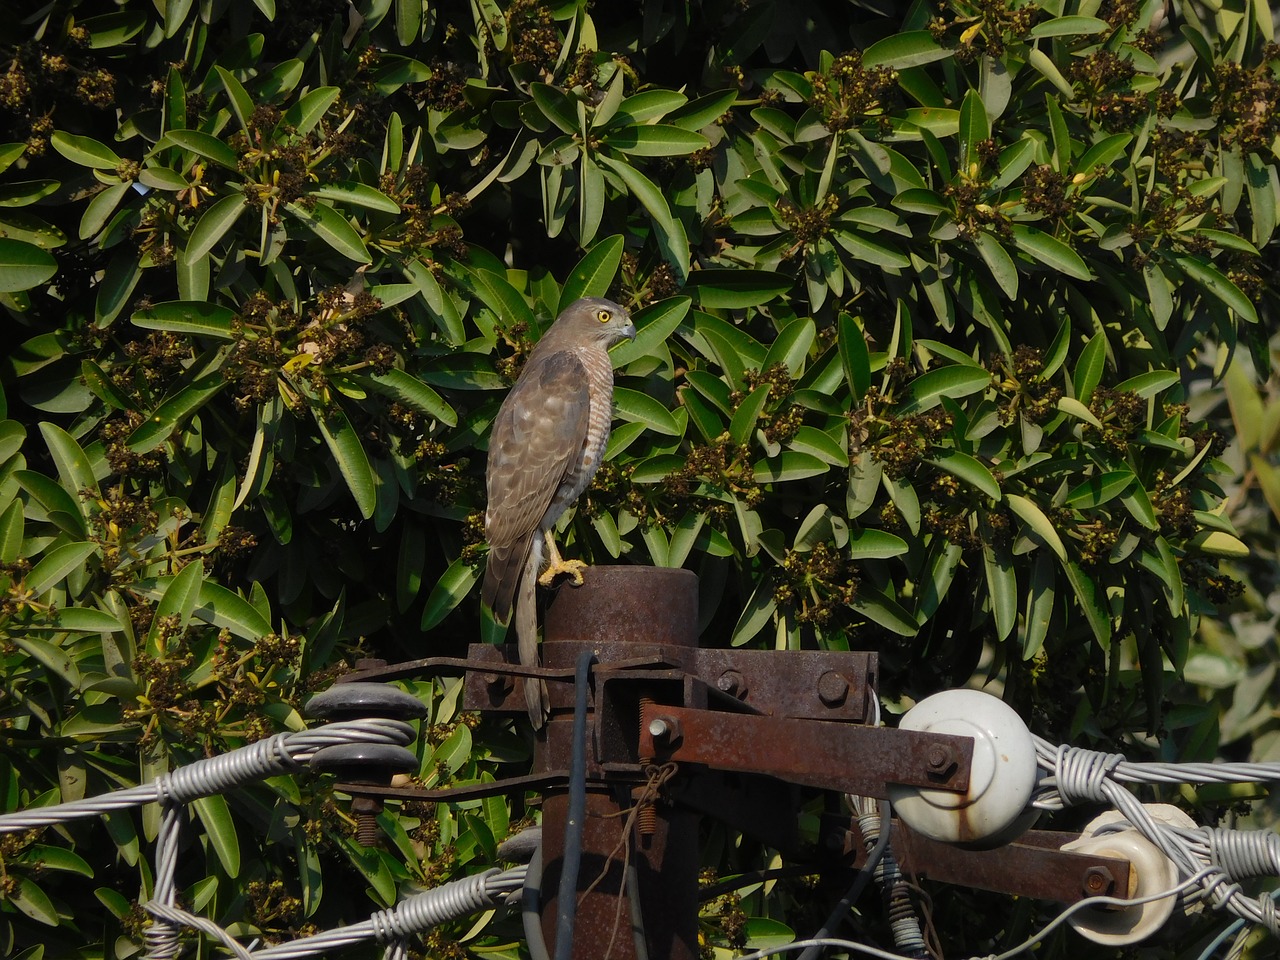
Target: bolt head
x,y
833,688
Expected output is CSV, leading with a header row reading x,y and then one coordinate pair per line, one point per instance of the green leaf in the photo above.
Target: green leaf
x,y
73,466
31,899
215,605
1040,525
657,140
23,265
241,102
641,408
1093,603
85,151
1002,587
654,324
63,509
56,565
1050,251
812,440
703,111
968,469
333,228
408,20
1220,544
1044,65
928,389
187,316
450,590
1104,153
349,455
202,145
1099,489
309,110
214,224
594,273
1148,384
556,107
649,105
412,392
1089,368
743,424
880,608
81,620
854,356
736,289
179,600
113,29
789,465
174,410
791,348
755,615
502,298
975,127
872,544
1068,27
998,262
220,828
911,48
357,194
1039,612
672,240
11,525
1216,283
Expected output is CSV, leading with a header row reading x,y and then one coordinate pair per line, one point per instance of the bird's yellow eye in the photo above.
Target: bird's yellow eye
x,y
603,316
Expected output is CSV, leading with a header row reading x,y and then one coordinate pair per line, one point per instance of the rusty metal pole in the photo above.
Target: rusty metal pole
x,y
618,610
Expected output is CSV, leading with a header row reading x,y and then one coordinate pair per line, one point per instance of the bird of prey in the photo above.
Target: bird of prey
x,y
545,446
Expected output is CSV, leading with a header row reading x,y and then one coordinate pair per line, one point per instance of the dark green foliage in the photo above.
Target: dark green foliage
x,y
921,300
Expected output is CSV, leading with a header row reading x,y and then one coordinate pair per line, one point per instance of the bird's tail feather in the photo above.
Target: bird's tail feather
x,y
502,575
535,690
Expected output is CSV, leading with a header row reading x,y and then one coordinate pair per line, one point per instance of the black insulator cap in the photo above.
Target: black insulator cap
x,y
364,762
351,701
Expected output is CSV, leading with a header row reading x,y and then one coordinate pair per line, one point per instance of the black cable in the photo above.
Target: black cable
x,y
855,891
567,899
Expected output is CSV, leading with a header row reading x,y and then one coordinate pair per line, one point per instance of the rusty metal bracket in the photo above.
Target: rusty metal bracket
x,y
1032,866
834,756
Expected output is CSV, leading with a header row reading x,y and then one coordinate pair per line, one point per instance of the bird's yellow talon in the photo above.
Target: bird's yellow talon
x,y
573,568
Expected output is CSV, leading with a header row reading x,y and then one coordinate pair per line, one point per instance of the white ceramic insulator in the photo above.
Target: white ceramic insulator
x,y
1150,871
996,807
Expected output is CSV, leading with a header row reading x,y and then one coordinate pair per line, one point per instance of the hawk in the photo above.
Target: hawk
x,y
545,446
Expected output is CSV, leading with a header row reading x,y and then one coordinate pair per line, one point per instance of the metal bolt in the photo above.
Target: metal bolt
x,y
666,729
500,684
646,815
832,688
938,756
366,810
732,683
1098,882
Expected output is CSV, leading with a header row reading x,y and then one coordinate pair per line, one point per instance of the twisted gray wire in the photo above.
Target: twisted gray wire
x,y
283,753
414,915
1088,776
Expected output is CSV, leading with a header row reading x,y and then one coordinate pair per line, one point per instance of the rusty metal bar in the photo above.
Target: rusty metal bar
x,y
1034,866
834,756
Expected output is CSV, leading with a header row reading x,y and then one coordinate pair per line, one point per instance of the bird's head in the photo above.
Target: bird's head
x,y
597,319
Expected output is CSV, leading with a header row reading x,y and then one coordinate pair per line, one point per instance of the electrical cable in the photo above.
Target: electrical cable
x,y
567,898
531,908
1229,932
1027,944
860,882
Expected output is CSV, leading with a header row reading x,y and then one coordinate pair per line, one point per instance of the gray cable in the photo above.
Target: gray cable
x,y
283,753
860,882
